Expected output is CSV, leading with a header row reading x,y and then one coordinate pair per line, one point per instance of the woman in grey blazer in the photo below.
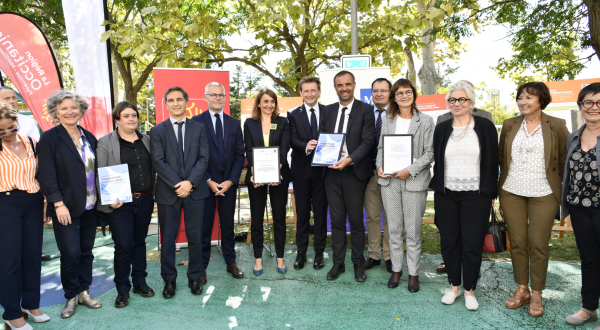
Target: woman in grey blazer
x,y
404,194
129,221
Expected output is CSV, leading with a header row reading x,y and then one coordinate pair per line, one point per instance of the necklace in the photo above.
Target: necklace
x,y
459,136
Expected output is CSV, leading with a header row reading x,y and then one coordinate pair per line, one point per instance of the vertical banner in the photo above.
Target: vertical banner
x,y
193,81
27,60
90,61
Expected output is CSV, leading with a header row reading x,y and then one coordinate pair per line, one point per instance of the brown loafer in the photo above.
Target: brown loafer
x,y
536,304
235,271
441,268
521,297
203,279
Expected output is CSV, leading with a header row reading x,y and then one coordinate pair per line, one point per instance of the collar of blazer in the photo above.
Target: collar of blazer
x,y
64,135
187,139
304,117
547,130
258,130
415,122
206,117
115,145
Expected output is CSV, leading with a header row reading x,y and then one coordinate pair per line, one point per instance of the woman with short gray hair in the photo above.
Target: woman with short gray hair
x,y
68,179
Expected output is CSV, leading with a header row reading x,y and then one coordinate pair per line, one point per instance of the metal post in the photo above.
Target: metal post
x,y
354,27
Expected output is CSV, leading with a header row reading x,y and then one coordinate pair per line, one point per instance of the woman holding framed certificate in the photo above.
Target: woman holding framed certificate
x,y
129,221
264,134
406,139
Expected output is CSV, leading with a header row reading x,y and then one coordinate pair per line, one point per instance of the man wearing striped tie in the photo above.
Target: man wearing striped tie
x,y
380,93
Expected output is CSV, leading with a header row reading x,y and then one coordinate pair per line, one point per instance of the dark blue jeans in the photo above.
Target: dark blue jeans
x,y
129,228
21,234
75,243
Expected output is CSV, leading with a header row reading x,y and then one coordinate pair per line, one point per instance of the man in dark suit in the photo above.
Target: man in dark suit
x,y
179,149
308,180
226,159
346,180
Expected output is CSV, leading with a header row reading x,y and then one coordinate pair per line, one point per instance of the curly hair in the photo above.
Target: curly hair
x,y
56,99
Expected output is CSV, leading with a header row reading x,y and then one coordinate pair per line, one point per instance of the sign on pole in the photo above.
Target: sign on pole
x,y
356,61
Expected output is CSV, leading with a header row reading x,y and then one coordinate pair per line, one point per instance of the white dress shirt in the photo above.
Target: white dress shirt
x,y
176,127
382,113
214,121
337,123
28,127
308,114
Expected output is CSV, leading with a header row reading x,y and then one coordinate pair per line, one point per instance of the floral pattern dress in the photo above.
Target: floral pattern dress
x,y
89,159
584,179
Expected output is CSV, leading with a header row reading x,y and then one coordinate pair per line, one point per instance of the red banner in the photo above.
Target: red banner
x,y
193,81
27,60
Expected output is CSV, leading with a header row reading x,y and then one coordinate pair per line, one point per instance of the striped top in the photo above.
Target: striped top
x,y
16,173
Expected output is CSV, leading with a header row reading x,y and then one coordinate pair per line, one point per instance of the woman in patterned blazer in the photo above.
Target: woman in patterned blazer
x,y
404,194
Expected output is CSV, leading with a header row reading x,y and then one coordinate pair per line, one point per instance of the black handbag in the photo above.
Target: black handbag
x,y
495,239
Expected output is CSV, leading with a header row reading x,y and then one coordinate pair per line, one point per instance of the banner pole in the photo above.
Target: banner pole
x,y
108,54
1,80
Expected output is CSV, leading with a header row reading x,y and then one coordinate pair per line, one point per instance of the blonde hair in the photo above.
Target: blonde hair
x,y
8,112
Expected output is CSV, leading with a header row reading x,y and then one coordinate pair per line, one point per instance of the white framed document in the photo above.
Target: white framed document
x,y
114,184
397,152
329,149
265,165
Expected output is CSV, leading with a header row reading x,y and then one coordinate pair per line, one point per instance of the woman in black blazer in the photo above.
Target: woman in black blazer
x,y
67,176
267,129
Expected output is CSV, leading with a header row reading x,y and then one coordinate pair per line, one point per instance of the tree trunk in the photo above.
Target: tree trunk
x,y
412,73
428,76
594,23
115,76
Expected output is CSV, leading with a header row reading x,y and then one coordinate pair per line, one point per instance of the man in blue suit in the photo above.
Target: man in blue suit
x,y
308,180
179,149
226,159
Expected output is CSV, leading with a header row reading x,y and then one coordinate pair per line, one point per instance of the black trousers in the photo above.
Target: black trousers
x,y
129,228
462,218
21,235
258,201
586,226
345,195
169,217
226,206
307,192
75,242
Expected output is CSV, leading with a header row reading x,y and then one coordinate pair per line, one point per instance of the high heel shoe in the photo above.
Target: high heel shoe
x,y
257,272
8,326
37,319
282,270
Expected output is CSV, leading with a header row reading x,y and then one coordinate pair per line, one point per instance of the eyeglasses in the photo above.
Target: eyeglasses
x,y
12,131
407,93
589,104
216,96
377,91
461,100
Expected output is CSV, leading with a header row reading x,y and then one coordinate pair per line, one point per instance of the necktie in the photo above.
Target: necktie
x,y
220,144
342,117
378,127
180,143
313,123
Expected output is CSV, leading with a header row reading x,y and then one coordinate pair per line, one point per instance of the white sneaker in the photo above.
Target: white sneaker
x,y
37,319
471,303
450,297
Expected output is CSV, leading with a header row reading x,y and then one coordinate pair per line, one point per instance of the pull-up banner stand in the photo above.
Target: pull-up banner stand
x,y
27,60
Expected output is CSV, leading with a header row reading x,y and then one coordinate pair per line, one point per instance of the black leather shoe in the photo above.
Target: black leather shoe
x,y
196,287
300,260
371,262
144,290
413,283
169,290
235,271
122,300
394,279
359,272
203,278
388,265
335,271
45,257
319,261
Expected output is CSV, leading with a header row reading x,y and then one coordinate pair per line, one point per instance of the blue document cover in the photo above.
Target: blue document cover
x,y
114,184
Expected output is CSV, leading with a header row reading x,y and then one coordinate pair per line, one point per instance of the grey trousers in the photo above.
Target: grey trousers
x,y
404,210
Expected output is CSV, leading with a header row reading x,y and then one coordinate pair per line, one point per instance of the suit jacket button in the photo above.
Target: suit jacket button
x,y
554,169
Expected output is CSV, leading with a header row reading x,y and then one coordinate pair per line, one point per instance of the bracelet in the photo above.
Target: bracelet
x,y
56,207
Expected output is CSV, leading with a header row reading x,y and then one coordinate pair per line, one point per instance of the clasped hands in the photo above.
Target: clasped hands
x,y
184,188
402,174
220,188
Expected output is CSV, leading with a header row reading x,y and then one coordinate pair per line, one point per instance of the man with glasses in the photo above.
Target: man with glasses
x,y
380,92
226,159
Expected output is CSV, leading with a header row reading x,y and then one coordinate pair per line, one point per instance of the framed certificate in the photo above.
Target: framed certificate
x,y
397,152
329,149
114,184
266,165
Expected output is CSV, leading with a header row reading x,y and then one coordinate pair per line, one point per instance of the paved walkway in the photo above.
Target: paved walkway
x,y
305,299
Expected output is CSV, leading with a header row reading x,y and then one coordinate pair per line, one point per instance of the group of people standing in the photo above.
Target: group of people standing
x,y
195,164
